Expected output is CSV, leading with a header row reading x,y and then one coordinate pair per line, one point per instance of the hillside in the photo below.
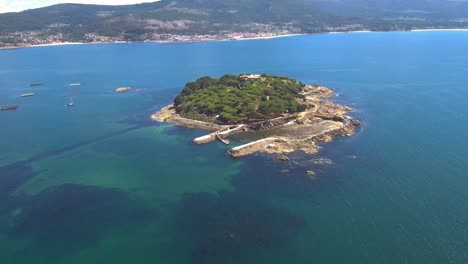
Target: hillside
x,y
199,20
159,20
439,10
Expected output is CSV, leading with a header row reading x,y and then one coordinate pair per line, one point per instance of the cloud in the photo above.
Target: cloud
x,y
20,5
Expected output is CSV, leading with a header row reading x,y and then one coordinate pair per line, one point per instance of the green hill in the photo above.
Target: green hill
x,y
194,17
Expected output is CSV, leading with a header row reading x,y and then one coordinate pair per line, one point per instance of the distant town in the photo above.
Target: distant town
x,y
46,37
31,38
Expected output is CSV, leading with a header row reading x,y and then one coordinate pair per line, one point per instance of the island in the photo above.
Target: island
x,y
278,115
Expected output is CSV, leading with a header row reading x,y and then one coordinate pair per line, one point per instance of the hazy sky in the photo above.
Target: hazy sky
x,y
19,5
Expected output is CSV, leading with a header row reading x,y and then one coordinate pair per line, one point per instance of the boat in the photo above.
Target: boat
x,y
74,84
123,89
71,103
27,94
35,84
9,107
225,141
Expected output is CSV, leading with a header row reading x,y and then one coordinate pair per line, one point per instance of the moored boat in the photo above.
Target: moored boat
x,y
27,94
123,89
9,107
71,103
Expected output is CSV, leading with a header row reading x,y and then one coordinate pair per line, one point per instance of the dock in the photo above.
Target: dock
x,y
220,135
205,139
231,131
252,147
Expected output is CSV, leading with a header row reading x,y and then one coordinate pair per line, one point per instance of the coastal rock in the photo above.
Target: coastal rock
x,y
356,123
338,118
311,175
325,138
272,146
283,158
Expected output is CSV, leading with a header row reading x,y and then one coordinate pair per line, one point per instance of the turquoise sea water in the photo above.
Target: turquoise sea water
x,y
102,183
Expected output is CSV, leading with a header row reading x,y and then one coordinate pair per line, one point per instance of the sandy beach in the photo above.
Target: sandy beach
x,y
270,37
58,44
347,32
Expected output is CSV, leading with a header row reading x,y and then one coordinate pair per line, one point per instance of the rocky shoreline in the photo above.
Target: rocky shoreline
x,y
321,122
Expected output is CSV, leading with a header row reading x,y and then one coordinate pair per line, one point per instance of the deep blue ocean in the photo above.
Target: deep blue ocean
x,y
102,183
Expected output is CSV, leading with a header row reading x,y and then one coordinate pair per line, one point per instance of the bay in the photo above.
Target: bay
x,y
101,182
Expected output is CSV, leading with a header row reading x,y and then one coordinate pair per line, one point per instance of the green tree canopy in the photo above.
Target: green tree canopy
x,y
237,99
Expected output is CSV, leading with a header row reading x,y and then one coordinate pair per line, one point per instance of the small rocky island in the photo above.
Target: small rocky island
x,y
277,114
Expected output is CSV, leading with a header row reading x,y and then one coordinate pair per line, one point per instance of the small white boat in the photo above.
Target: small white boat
x,y
74,84
123,89
9,107
71,103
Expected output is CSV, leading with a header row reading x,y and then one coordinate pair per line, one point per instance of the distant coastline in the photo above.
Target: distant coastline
x,y
440,29
195,39
151,41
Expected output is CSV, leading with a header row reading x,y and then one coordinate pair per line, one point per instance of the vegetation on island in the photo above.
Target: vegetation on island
x,y
240,98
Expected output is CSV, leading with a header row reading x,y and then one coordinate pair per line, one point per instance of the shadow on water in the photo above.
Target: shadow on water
x,y
15,174
250,220
239,225
71,147
274,177
230,226
12,176
68,218
290,180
